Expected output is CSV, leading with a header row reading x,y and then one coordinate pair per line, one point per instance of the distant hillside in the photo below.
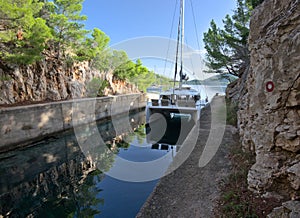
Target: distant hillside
x,y
223,79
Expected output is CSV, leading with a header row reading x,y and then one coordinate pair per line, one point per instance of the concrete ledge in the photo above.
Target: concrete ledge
x,y
23,124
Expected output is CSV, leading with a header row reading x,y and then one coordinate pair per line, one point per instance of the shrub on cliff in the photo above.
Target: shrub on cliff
x,y
23,34
95,88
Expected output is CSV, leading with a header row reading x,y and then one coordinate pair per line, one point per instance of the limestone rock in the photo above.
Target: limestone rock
x,y
290,209
49,80
294,96
261,173
269,120
294,176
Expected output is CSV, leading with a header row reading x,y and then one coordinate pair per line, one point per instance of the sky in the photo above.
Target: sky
x,y
127,20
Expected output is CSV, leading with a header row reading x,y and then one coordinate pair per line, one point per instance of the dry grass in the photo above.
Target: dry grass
x,y
236,199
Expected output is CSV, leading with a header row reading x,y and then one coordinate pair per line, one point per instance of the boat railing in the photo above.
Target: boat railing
x,y
154,102
178,102
186,103
165,102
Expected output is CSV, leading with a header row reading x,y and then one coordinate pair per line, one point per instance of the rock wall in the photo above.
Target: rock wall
x,y
269,108
51,80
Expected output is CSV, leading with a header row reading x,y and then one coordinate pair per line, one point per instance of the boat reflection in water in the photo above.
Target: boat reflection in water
x,y
169,128
55,178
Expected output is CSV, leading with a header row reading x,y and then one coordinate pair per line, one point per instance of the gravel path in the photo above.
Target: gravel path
x,y
190,190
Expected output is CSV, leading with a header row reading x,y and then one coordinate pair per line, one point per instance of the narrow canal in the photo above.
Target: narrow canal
x,y
56,177
61,177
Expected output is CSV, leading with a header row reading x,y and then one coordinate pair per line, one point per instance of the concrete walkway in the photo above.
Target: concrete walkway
x,y
190,190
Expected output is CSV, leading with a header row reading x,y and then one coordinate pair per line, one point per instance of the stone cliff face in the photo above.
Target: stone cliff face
x,y
49,80
269,105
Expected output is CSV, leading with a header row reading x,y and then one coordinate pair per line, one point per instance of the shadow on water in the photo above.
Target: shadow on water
x,y
49,180
54,178
171,129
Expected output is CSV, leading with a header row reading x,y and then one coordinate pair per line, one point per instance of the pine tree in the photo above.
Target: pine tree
x,y
67,25
227,49
23,34
93,48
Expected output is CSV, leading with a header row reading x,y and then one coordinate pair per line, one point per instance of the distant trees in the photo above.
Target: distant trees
x,y
129,69
134,72
227,49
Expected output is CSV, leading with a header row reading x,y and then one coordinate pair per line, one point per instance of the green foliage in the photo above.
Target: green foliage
x,y
218,54
82,199
5,78
145,80
129,70
102,61
227,49
232,108
135,73
58,27
94,49
66,23
21,17
117,60
235,199
124,70
254,3
113,60
96,86
30,51
101,40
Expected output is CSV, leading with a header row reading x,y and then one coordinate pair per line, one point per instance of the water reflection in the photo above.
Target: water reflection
x,y
53,178
56,177
54,183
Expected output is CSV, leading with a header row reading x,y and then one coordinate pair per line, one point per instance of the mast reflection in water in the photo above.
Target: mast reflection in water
x,y
53,178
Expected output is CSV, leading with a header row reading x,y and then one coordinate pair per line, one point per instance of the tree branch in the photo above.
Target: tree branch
x,y
11,19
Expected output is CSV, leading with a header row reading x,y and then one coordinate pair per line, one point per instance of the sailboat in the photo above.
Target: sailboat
x,y
178,102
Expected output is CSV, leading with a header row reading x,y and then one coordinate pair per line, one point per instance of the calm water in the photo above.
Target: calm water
x,y
59,177
209,90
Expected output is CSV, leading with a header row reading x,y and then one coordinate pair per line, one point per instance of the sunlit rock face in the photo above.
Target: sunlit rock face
x,y
51,80
269,109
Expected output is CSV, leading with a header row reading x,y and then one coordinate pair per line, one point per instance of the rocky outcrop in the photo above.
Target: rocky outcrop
x,y
51,80
289,209
269,106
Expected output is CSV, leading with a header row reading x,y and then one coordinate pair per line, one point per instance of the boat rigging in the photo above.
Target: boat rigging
x,y
182,102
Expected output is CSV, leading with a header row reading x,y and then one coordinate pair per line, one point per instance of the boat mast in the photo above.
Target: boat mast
x,y
181,44
180,40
